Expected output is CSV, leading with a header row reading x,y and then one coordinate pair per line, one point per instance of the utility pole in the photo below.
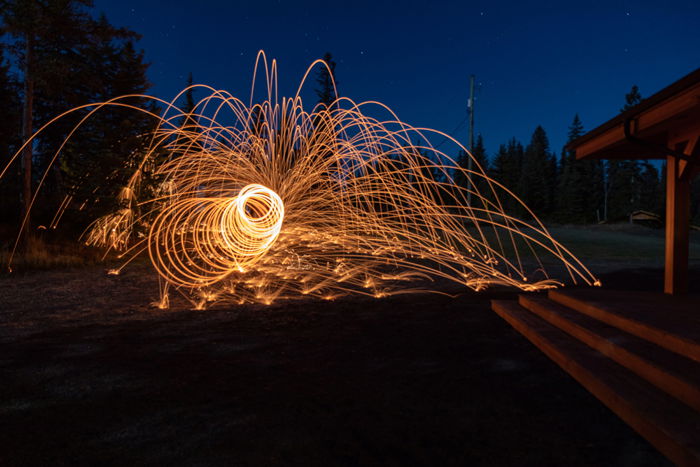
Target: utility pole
x,y
470,108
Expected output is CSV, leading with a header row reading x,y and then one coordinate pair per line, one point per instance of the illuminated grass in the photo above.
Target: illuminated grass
x,y
37,254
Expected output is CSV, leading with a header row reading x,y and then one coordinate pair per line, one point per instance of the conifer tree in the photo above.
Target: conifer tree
x,y
580,187
624,185
570,200
110,144
596,183
189,123
538,175
41,36
189,95
479,153
480,158
632,98
507,164
326,91
648,187
324,133
623,177
505,169
83,60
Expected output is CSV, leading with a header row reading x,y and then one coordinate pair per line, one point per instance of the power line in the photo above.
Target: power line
x,y
451,134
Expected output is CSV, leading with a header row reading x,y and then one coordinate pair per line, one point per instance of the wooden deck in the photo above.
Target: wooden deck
x,y
638,353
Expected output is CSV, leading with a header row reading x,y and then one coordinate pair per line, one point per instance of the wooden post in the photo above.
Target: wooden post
x,y
677,228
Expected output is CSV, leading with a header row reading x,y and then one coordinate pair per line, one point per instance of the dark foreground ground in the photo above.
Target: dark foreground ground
x,y
90,375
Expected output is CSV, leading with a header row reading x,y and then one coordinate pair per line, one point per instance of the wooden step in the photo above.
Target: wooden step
x,y
670,323
673,373
666,423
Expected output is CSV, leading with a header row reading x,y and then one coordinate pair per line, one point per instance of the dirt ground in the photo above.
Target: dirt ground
x,y
91,375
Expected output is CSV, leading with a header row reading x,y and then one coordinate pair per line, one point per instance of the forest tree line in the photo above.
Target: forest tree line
x,y
566,190
57,55
557,188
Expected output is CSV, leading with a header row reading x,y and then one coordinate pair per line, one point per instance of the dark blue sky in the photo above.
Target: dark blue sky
x,y
535,62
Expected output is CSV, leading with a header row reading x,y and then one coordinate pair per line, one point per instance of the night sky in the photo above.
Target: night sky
x,y
535,62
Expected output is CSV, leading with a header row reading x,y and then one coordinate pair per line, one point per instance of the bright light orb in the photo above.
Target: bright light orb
x,y
196,242
252,221
371,205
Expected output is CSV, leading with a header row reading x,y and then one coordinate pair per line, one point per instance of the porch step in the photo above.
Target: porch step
x,y
672,427
641,315
674,374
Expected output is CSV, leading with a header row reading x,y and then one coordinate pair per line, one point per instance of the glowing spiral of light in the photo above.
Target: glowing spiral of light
x,y
252,221
196,242
370,205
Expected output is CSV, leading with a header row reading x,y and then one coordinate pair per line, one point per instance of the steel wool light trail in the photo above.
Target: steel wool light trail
x,y
197,242
266,200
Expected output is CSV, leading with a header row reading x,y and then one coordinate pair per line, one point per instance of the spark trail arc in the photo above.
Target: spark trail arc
x,y
267,199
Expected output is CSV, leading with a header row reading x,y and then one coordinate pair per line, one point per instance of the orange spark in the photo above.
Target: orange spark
x,y
269,201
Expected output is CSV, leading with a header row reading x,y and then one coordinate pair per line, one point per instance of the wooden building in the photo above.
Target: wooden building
x,y
665,126
637,352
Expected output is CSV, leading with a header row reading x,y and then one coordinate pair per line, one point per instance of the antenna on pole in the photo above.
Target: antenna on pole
x,y
470,109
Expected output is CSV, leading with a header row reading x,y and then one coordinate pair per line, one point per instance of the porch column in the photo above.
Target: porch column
x,y
677,227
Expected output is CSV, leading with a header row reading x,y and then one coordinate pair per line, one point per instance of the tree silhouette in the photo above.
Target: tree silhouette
x,y
326,91
505,169
632,98
580,188
67,58
538,175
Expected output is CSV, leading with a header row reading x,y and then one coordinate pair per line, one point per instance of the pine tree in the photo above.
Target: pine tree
x,y
480,158
507,164
505,169
83,60
190,122
324,134
189,95
596,177
580,186
624,185
570,198
479,154
537,179
632,98
43,38
623,177
326,91
648,187
110,144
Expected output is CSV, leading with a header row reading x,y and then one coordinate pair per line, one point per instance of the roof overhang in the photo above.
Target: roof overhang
x,y
669,117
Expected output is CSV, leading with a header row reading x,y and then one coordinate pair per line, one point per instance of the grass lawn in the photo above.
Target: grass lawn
x,y
619,243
